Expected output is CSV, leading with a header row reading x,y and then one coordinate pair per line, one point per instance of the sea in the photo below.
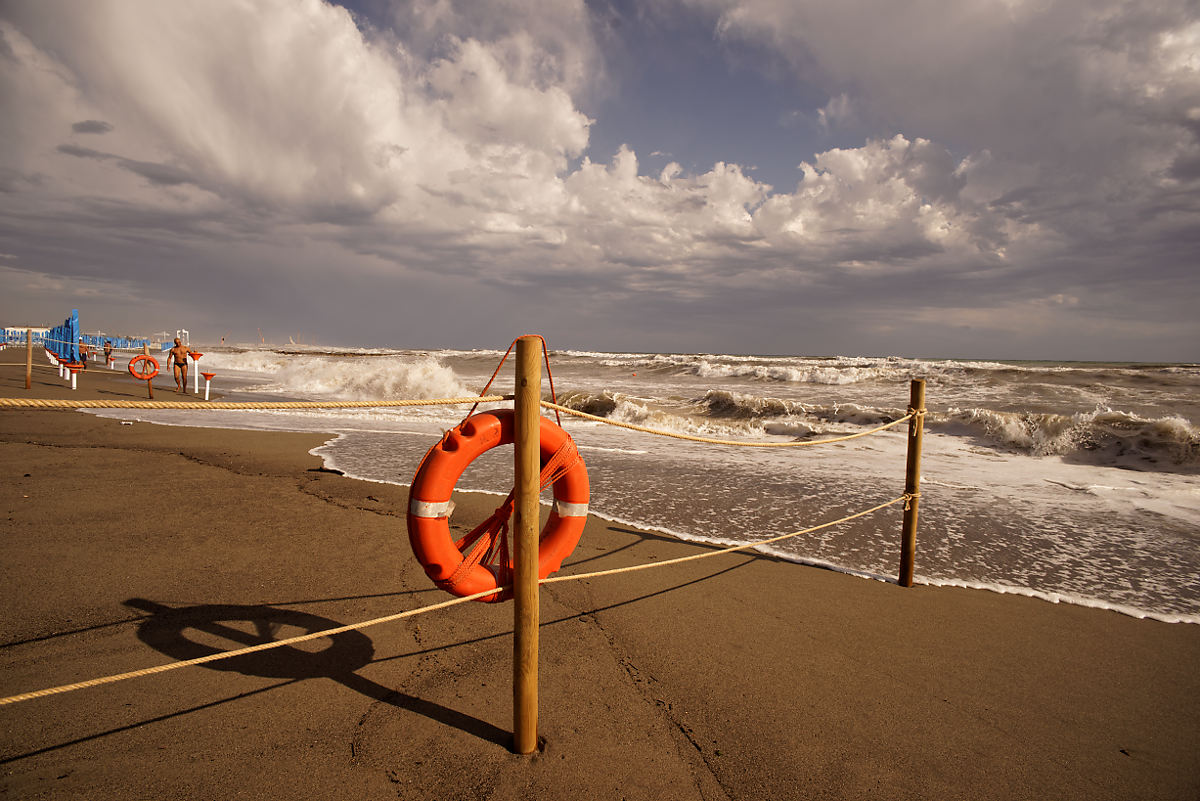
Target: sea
x,y
1072,482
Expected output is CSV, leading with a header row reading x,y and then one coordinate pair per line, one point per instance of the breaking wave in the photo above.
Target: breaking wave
x,y
1103,436
730,414
321,376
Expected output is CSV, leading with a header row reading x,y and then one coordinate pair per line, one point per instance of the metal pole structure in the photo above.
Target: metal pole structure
x,y
28,358
527,464
912,481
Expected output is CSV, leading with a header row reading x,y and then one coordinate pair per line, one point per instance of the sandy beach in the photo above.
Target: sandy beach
x,y
737,677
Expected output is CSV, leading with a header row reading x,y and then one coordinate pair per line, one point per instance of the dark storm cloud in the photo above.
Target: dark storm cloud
x,y
91,127
159,174
84,152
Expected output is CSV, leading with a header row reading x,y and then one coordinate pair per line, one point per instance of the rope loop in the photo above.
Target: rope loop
x,y
488,542
549,375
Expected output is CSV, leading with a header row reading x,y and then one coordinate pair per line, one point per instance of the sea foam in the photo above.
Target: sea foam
x,y
320,376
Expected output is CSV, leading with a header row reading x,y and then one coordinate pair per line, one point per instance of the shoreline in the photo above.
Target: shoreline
x,y
1046,596
126,386
743,676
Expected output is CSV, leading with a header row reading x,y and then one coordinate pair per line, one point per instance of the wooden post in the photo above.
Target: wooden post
x,y
527,465
912,482
149,381
28,358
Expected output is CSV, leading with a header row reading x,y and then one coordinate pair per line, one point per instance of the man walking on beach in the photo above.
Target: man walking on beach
x,y
83,353
107,353
178,357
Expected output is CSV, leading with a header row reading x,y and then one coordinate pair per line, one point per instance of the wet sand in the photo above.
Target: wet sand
x,y
739,677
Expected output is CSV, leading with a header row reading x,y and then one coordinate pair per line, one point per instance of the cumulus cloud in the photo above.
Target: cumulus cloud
x,y
1088,99
474,143
322,120
540,43
888,201
279,143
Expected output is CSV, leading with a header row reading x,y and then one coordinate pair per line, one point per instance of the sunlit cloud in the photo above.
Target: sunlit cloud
x,y
1007,156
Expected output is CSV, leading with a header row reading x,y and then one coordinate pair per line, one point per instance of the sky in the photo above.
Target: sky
x,y
995,179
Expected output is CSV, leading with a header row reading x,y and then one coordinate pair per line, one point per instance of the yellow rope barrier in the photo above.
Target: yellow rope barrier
x,y
133,674
730,549
662,433
47,403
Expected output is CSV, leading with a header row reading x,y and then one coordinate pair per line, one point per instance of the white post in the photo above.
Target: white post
x,y
195,369
73,373
207,381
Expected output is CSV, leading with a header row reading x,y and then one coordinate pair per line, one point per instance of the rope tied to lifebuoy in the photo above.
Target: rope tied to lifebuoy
x,y
549,376
481,559
488,542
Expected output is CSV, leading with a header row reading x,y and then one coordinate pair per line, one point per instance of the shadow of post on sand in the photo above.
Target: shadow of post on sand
x,y
347,652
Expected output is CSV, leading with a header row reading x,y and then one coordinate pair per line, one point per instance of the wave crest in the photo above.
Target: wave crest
x,y
318,376
1104,435
599,404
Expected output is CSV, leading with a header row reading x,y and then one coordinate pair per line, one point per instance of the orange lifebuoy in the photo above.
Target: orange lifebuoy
x,y
429,504
146,374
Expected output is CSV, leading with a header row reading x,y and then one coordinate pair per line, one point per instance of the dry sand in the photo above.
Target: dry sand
x,y
739,677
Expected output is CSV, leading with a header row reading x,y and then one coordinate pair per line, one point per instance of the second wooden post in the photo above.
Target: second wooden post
x,y
912,482
527,465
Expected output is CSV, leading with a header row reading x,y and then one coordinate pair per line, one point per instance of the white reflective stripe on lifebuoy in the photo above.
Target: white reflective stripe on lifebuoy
x,y
430,508
565,509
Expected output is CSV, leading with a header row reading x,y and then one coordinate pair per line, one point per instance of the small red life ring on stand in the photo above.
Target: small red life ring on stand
x,y
143,373
429,506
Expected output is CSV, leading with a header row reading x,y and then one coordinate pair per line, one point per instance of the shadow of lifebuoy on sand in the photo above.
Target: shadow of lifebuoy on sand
x,y
242,626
